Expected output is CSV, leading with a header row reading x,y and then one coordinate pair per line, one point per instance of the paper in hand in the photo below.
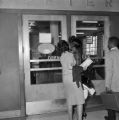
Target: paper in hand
x,y
86,63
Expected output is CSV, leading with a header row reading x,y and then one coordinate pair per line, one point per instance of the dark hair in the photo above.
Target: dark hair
x,y
114,40
71,39
77,46
63,46
75,41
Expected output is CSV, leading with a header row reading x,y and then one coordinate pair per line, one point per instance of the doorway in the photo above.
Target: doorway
x,y
44,90
93,32
43,79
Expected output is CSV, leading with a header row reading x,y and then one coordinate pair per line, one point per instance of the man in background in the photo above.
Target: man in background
x,y
112,71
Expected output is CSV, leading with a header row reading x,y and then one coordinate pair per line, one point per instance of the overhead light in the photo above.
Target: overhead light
x,y
86,21
87,28
80,33
46,48
32,23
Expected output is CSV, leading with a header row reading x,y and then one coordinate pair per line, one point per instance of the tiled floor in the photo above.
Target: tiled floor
x,y
95,115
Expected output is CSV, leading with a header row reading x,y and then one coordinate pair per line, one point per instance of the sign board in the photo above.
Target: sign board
x,y
45,38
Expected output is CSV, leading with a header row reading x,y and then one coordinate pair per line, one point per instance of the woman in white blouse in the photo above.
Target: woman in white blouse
x,y
74,95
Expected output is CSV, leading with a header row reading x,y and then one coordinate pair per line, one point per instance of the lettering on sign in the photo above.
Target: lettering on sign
x,y
90,3
70,1
54,57
108,3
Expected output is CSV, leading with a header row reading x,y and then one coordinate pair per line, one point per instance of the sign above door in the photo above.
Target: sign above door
x,y
80,5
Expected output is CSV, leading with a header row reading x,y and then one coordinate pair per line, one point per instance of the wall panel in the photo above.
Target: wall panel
x,y
9,63
114,25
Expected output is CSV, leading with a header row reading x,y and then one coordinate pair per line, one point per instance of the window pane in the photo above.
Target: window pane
x,y
43,67
91,34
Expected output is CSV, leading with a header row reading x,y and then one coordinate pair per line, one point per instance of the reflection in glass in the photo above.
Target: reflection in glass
x,y
91,33
45,68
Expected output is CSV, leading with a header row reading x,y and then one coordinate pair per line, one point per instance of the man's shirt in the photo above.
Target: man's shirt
x,y
112,69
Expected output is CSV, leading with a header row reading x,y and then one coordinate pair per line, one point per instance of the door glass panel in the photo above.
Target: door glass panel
x,y
44,68
92,31
92,34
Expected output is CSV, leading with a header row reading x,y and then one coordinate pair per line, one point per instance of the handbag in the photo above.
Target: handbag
x,y
87,76
110,100
76,72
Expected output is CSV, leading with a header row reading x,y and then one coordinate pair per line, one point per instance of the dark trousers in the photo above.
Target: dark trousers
x,y
111,115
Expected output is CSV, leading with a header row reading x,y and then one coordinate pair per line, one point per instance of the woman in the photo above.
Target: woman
x,y
74,94
77,52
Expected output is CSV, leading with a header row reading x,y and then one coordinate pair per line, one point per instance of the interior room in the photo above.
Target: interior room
x,y
31,86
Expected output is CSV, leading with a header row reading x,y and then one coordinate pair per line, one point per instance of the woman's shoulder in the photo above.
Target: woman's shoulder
x,y
70,54
66,55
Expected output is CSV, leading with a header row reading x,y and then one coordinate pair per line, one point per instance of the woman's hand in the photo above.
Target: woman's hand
x,y
108,90
85,68
77,83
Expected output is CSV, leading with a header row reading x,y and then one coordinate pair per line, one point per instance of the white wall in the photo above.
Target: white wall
x,y
9,63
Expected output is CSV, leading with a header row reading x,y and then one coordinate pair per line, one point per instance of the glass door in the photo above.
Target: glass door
x,y
93,31
43,73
